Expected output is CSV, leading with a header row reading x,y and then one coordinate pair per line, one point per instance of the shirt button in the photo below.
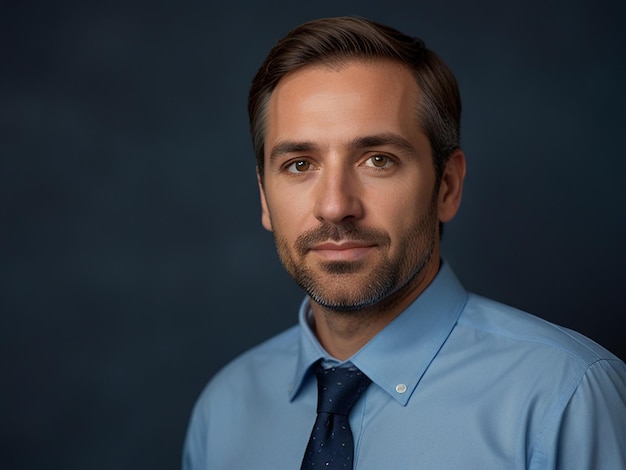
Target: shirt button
x,y
401,388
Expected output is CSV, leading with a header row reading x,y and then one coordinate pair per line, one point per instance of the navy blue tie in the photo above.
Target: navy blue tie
x,y
331,445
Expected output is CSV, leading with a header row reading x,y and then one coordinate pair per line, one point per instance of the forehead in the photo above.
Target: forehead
x,y
354,97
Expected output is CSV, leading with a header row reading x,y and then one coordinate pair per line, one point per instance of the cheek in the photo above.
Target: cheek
x,y
288,215
407,217
404,203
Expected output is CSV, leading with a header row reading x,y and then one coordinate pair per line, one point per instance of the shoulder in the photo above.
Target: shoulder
x,y
269,362
523,330
568,388
279,347
233,396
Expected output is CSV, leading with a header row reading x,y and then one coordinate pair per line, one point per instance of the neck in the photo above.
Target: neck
x,y
342,334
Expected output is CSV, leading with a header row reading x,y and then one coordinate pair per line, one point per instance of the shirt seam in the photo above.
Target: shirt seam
x,y
553,345
557,412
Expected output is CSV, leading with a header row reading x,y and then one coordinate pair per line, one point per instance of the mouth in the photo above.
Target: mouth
x,y
342,251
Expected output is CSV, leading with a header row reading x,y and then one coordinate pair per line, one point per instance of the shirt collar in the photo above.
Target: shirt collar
x,y
397,357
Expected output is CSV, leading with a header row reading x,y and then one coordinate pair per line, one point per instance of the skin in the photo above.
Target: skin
x,y
349,192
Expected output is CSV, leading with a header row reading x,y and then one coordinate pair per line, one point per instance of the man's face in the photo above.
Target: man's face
x,y
349,185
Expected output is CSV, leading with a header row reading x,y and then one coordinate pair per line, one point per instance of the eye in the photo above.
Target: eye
x,y
299,166
379,161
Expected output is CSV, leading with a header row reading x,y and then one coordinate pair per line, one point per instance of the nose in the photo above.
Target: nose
x,y
338,195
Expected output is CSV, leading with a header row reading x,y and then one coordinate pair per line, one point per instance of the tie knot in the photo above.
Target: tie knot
x,y
338,388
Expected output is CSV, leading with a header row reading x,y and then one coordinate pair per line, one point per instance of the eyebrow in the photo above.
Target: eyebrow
x,y
380,140
377,140
287,146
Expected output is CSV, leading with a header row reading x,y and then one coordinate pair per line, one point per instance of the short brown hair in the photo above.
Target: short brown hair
x,y
333,41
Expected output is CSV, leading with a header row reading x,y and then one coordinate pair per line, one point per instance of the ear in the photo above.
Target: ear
x,y
451,188
265,213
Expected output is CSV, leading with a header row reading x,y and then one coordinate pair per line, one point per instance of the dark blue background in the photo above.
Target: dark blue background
x,y
133,261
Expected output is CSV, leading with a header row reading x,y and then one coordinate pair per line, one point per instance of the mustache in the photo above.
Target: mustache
x,y
340,233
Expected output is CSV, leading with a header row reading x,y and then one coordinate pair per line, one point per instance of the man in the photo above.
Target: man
x,y
356,132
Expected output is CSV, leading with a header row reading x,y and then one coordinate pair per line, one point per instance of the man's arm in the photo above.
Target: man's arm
x,y
591,431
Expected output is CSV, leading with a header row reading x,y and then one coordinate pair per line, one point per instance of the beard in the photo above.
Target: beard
x,y
346,286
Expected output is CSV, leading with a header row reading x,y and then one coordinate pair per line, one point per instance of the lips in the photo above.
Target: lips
x,y
342,251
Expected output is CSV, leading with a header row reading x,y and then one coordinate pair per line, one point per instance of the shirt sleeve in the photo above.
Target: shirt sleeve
x,y
592,432
194,450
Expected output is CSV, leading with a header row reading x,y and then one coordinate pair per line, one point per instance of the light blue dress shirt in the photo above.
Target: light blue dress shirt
x,y
458,382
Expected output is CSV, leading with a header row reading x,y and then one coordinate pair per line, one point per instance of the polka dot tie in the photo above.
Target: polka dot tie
x,y
331,445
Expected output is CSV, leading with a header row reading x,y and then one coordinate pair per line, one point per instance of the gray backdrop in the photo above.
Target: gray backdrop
x,y
133,262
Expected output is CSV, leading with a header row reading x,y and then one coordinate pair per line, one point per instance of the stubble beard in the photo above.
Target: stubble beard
x,y
348,286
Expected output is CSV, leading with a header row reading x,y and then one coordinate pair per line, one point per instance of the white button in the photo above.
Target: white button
x,y
401,388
